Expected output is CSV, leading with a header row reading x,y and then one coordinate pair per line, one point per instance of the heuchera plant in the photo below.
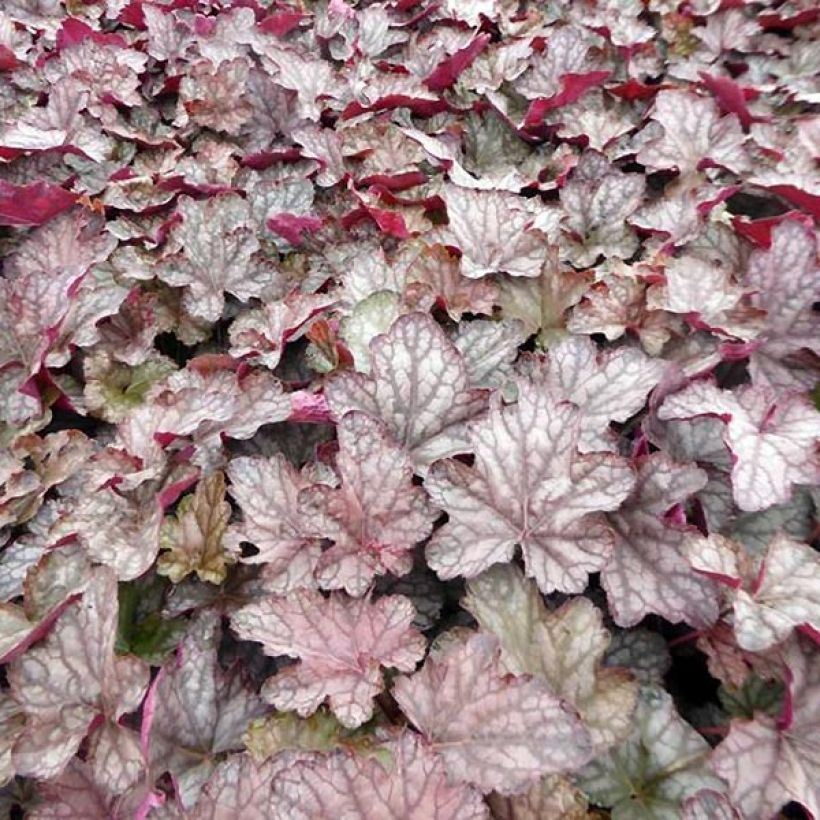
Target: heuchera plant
x,y
408,409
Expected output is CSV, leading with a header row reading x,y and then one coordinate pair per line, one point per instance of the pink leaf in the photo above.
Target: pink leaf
x,y
529,487
208,400
72,679
648,570
217,243
772,595
407,779
262,334
267,494
375,518
707,295
490,230
492,730
709,805
200,711
786,594
130,541
767,765
76,793
342,643
693,131
771,438
440,271
573,88
597,201
62,123
307,407
42,279
786,282
418,386
607,386
214,96
240,787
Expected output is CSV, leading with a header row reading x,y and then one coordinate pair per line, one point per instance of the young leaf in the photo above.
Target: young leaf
x,y
192,537
440,271
286,731
263,333
141,628
706,293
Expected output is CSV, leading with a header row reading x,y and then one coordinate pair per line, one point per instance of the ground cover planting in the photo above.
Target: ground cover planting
x,y
409,410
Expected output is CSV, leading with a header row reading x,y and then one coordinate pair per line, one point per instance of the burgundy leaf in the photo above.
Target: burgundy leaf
x,y
32,204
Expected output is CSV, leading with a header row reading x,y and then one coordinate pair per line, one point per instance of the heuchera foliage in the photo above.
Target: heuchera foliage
x,y
408,409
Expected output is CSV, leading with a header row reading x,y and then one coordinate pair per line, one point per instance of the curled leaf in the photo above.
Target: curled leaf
x,y
193,537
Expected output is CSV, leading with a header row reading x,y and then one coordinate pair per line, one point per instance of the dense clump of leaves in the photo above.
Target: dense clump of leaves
x,y
409,409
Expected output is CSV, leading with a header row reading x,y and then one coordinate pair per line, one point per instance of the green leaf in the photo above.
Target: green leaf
x,y
321,732
756,695
141,629
663,762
